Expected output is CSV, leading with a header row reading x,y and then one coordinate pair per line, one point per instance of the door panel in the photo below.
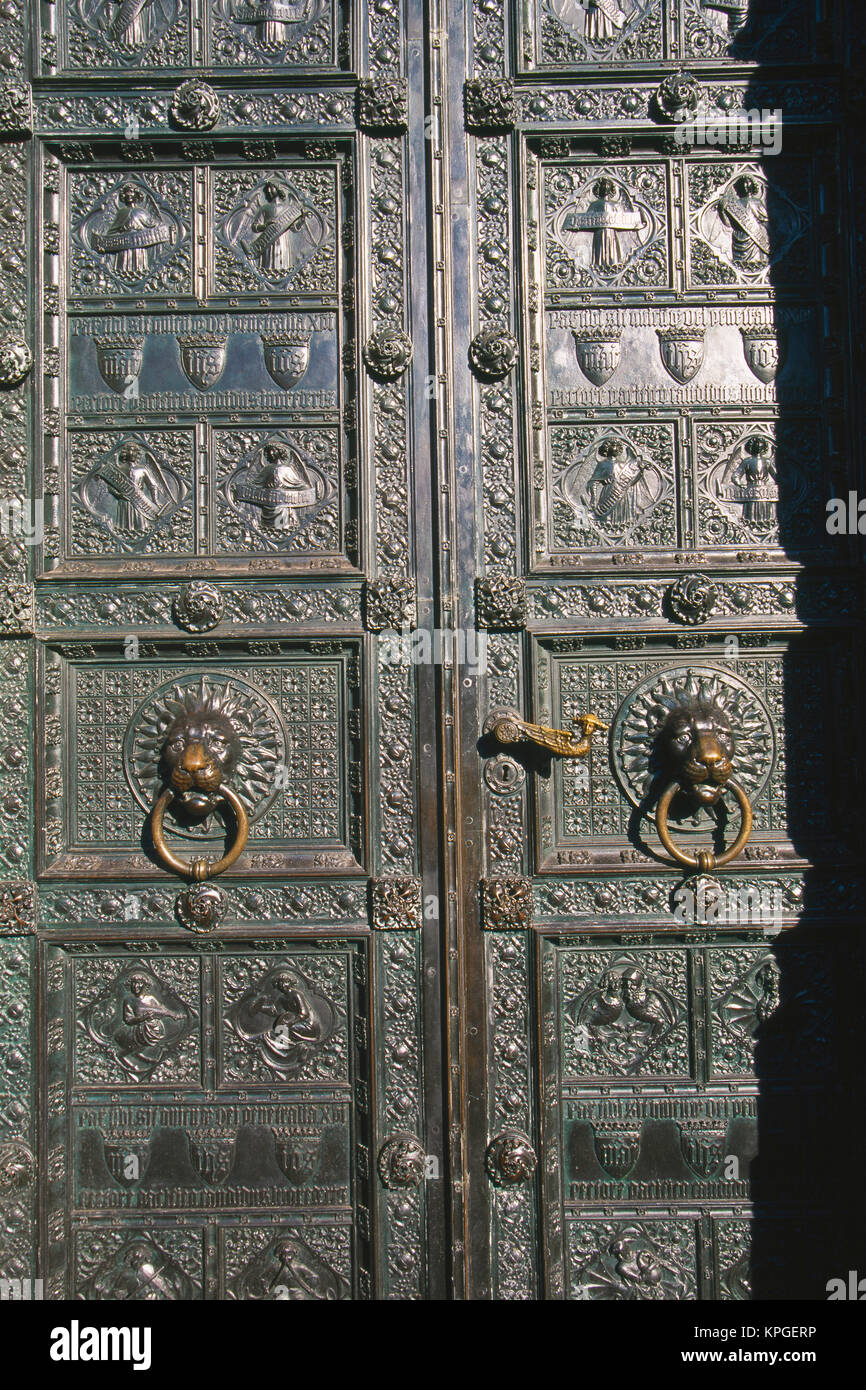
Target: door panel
x,y
657,408
236,1095
216,1119
299,768
690,1136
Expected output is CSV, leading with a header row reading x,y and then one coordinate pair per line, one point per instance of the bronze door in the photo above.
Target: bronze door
x,y
387,389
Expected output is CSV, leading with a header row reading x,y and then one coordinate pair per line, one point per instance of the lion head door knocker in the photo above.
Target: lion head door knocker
x,y
676,742
197,745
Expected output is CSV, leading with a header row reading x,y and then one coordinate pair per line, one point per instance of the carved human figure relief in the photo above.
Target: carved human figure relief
x,y
742,209
139,1271
133,234
745,484
280,484
278,32
276,230
752,1000
604,227
752,482
128,26
289,1269
570,31
285,1019
130,232
612,487
597,22
131,491
746,222
271,20
138,1020
275,225
611,221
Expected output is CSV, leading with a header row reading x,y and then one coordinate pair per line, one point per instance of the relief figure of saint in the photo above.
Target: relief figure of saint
x,y
611,488
281,487
272,18
284,1017
614,223
604,19
743,211
129,25
138,1021
130,490
598,21
140,1273
753,483
147,1024
133,235
287,1022
614,489
276,227
289,1269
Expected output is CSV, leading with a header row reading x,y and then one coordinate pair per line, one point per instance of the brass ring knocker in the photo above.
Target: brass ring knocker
x,y
200,869
704,859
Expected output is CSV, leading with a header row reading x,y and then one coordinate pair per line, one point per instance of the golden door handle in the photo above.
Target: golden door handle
x,y
703,859
507,726
199,869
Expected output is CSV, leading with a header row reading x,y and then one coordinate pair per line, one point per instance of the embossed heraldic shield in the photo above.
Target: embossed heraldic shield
x,y
428,649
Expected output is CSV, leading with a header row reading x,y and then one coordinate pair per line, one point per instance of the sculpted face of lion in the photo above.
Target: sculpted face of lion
x,y
696,746
201,751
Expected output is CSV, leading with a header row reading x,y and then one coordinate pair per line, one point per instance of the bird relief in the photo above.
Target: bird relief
x,y
275,231
621,1019
629,1266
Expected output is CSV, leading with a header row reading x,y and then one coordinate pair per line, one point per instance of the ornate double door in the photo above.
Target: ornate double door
x,y
431,877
